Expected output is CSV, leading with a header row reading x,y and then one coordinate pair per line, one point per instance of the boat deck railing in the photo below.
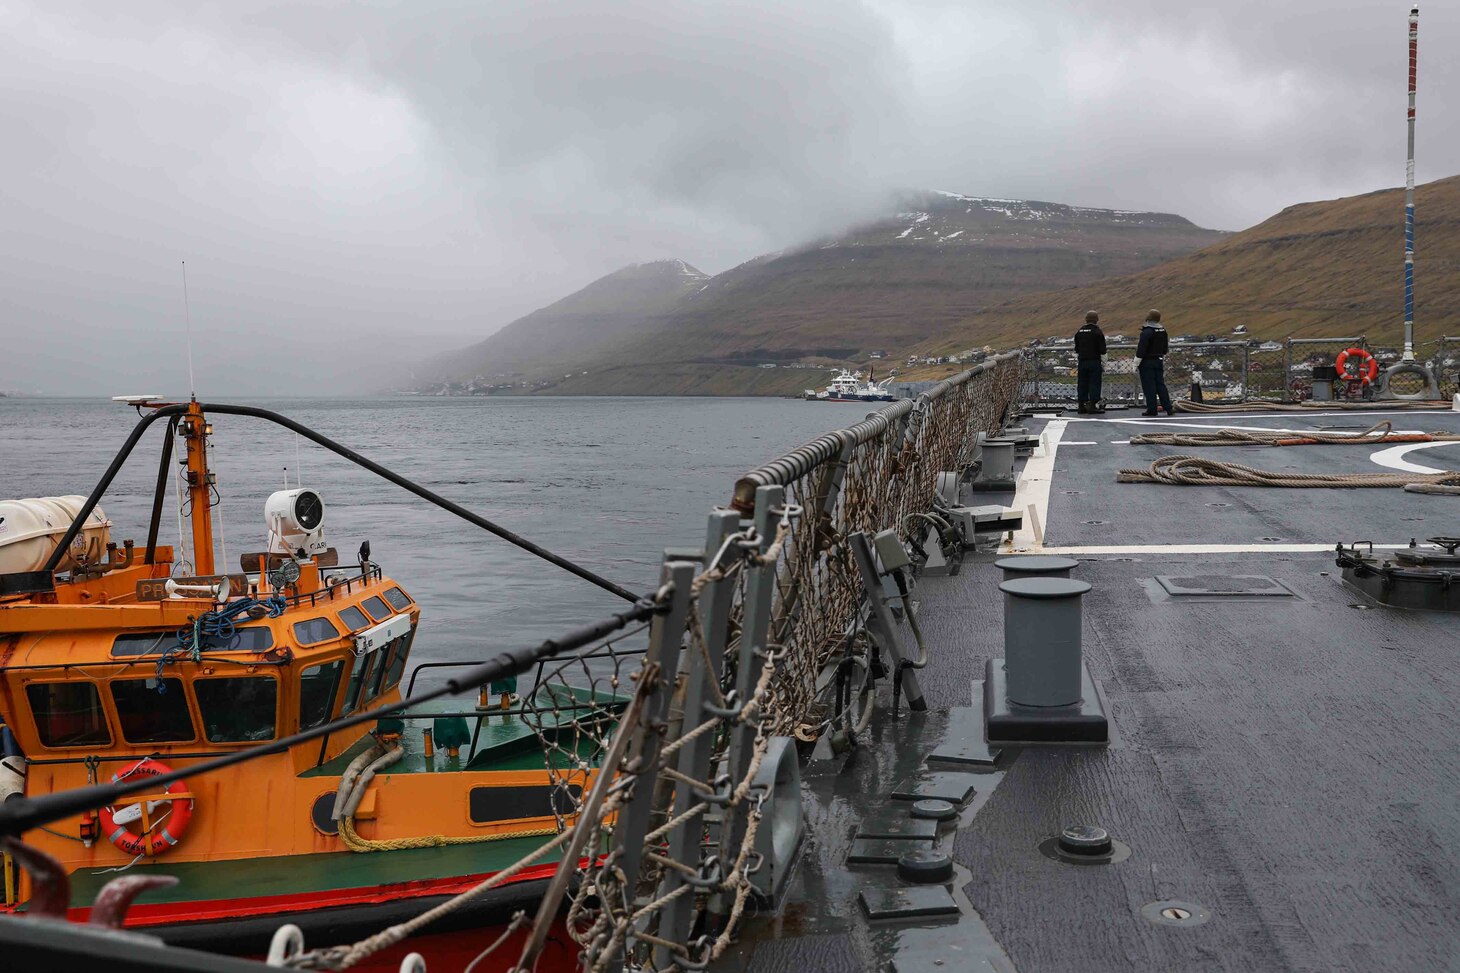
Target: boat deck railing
x,y
369,573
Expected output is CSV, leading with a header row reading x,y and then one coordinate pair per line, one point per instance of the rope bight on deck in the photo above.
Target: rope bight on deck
x,y
1181,470
1380,432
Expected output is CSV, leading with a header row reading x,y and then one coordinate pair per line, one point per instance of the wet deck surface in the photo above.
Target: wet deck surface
x,y
1288,764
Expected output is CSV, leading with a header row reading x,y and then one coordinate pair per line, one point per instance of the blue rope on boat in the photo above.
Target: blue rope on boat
x,y
217,625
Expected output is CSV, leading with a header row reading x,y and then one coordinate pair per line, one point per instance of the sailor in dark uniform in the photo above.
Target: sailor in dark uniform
x,y
1090,348
1151,350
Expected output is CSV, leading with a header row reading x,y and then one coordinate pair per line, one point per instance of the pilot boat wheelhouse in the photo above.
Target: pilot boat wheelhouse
x,y
111,667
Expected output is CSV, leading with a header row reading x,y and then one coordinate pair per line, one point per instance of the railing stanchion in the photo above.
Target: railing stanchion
x,y
760,587
702,670
661,663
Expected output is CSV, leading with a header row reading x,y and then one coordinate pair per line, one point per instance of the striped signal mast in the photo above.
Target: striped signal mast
x,y
1409,193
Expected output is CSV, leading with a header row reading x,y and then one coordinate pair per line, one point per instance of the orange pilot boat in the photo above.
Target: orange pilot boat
x,y
122,662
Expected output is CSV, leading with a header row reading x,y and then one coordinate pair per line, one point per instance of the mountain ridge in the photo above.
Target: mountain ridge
x,y
892,282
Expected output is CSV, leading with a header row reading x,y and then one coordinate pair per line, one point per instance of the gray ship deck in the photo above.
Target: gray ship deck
x,y
1287,765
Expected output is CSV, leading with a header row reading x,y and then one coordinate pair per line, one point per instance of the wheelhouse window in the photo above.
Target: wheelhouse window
x,y
378,609
246,638
397,599
153,710
238,710
68,714
398,661
358,676
317,693
378,670
354,618
313,630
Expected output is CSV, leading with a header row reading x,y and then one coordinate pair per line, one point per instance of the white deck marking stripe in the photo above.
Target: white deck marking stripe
x,y
1079,442
1033,489
1162,421
1202,548
1169,424
1393,457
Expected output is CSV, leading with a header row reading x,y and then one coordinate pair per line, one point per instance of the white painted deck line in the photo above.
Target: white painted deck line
x,y
1032,493
1198,548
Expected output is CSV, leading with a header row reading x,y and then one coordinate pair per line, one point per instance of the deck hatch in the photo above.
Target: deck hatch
x,y
1224,586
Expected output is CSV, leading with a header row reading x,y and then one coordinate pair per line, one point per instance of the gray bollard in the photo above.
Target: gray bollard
x,y
1042,649
998,462
1036,565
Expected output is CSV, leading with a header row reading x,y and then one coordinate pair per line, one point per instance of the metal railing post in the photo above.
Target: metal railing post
x,y
686,843
661,663
760,586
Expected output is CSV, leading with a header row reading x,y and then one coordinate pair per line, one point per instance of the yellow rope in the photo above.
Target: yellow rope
x,y
354,842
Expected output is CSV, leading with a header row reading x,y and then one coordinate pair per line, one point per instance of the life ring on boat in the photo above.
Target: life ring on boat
x,y
114,819
1368,364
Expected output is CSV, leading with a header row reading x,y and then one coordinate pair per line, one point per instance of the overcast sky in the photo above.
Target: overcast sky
x,y
354,185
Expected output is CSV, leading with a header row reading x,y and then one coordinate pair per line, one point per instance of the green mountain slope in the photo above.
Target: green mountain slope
x,y
1332,268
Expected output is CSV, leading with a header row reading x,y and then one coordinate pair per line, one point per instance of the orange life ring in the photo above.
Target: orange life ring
x,y
174,823
1368,364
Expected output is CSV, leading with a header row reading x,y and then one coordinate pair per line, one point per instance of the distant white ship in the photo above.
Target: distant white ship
x,y
849,386
876,391
845,387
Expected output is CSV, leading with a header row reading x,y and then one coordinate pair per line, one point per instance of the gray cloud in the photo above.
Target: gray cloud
x,y
355,186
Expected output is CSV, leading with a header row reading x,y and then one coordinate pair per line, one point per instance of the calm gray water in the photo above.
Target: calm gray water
x,y
607,482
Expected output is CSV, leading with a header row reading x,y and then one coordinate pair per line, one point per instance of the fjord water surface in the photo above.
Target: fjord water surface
x,y
606,482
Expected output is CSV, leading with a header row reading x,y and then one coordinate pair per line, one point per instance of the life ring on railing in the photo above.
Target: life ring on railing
x,y
1368,364
114,819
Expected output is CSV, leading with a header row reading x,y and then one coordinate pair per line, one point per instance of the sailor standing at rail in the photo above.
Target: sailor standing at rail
x,y
1090,348
1151,350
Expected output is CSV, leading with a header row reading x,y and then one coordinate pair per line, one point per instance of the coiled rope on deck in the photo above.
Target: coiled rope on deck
x,y
1180,470
1380,432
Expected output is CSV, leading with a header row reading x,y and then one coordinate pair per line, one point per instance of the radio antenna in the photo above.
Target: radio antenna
x,y
188,316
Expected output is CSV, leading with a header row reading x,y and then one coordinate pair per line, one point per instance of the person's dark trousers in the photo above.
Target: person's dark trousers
x,y
1153,384
1087,382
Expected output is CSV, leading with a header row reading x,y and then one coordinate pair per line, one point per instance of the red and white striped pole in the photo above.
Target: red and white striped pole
x,y
1409,192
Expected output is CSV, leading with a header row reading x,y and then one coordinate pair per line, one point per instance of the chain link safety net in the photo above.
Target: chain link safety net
x,y
883,475
656,745
1442,355
1233,370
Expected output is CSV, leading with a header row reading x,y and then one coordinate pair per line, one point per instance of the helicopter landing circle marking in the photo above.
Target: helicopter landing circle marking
x,y
1393,457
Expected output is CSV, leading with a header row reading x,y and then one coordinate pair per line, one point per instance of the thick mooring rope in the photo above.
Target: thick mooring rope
x,y
1179,470
1378,433
354,842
